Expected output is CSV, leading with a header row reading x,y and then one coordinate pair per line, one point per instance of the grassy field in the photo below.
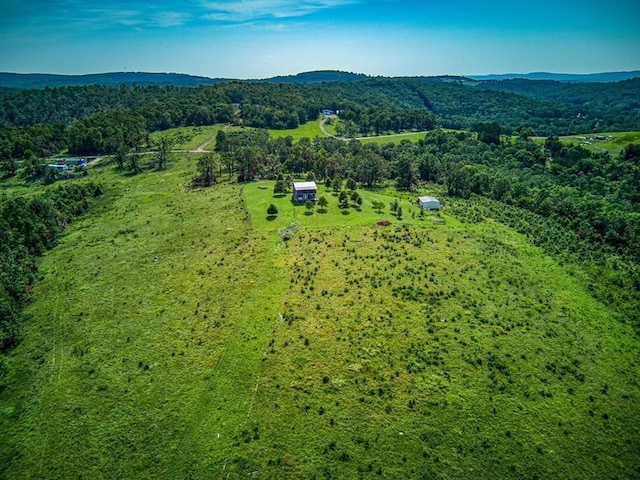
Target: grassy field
x,y
188,138
397,138
184,334
310,129
618,141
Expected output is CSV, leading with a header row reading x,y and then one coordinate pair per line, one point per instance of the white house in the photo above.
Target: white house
x,y
303,191
429,203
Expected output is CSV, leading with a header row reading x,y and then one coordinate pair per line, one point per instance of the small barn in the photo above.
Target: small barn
x,y
429,203
303,191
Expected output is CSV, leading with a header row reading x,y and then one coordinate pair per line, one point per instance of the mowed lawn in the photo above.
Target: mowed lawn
x,y
613,145
184,334
310,129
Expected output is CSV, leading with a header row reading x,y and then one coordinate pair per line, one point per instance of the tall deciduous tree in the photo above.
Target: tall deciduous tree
x,y
206,170
164,153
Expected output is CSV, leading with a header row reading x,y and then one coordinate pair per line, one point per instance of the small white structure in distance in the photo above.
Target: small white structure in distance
x,y
429,203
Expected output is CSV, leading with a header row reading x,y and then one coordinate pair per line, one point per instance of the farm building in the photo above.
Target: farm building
x,y
429,203
303,191
327,113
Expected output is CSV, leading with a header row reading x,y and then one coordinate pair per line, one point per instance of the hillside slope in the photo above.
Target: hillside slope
x,y
179,333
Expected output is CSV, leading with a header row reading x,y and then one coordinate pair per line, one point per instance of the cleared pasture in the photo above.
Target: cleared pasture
x,y
613,144
180,333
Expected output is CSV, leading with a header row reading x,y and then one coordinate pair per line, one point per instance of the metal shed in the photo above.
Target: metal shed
x,y
429,203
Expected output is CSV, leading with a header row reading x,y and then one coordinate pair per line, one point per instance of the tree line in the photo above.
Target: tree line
x,y
98,119
30,225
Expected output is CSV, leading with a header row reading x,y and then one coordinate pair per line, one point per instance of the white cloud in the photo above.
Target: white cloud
x,y
246,10
170,19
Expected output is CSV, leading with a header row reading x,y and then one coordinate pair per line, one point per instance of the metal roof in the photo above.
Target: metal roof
x,y
305,186
428,199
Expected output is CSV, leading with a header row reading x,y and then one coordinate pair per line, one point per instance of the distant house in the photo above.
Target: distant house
x,y
303,191
327,113
54,167
74,161
429,203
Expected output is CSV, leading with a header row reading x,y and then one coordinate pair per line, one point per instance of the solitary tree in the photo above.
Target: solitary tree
x,y
133,163
378,206
322,203
309,205
120,156
336,182
343,199
272,210
278,188
164,153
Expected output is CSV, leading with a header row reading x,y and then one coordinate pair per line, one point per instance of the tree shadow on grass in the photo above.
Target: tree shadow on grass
x,y
271,218
322,210
308,213
346,211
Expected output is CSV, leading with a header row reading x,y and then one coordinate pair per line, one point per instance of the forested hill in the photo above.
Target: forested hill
x,y
41,80
563,109
319,76
623,96
563,77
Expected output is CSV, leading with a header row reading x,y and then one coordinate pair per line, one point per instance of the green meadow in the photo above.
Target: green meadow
x,y
310,129
178,333
615,141
395,138
188,138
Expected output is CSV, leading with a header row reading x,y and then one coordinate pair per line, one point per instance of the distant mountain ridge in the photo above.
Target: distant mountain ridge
x,y
604,77
42,80
319,76
11,82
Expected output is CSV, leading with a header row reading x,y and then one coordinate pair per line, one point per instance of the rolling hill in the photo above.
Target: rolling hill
x,y
183,334
42,80
604,77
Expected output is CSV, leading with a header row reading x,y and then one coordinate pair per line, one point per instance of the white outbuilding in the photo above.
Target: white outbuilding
x,y
429,203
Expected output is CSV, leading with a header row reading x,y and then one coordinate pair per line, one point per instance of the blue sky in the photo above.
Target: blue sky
x,y
263,38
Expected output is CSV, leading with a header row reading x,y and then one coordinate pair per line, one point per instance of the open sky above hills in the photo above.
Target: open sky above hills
x,y
263,38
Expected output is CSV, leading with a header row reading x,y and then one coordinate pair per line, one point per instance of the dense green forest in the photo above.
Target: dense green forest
x,y
97,119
